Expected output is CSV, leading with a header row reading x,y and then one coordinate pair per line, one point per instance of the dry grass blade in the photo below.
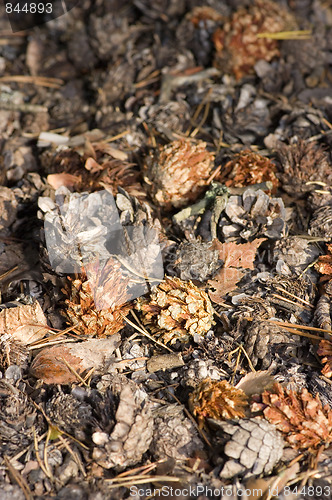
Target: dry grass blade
x,y
137,480
287,35
144,332
35,80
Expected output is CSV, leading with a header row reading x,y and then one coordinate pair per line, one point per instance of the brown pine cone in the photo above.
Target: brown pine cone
x,y
248,168
303,165
253,446
178,172
176,310
219,400
321,222
237,45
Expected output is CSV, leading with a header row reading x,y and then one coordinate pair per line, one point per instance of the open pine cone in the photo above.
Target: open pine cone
x,y
178,172
107,318
239,48
176,310
218,400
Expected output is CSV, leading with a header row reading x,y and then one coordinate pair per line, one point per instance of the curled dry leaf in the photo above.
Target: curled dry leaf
x,y
255,382
217,400
24,323
51,364
303,420
236,257
63,179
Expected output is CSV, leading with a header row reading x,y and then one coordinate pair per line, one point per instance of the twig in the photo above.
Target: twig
x,y
20,480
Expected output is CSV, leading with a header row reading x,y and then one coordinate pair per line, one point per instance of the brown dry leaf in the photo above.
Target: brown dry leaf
x,y
256,382
325,349
51,364
303,420
217,400
236,257
92,166
24,323
63,179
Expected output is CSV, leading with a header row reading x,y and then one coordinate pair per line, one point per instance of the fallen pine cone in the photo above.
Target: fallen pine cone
x,y
303,420
252,446
178,172
218,400
176,310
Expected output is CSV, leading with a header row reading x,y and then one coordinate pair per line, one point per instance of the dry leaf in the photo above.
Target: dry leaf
x,y
236,257
51,364
63,179
92,166
324,264
24,323
256,382
303,420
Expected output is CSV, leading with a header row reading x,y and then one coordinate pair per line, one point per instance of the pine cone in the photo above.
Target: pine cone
x,y
261,341
218,400
178,172
253,214
248,168
325,349
12,352
305,423
238,48
81,307
69,414
130,436
321,222
195,260
17,416
253,446
304,164
176,310
174,435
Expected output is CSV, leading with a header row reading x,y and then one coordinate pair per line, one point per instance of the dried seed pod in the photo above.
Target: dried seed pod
x,y
195,260
176,310
218,400
131,435
303,164
253,214
174,434
237,45
303,420
260,341
80,307
248,168
253,446
178,172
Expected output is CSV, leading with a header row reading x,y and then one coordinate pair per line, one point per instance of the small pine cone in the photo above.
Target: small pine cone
x,y
17,417
303,420
238,48
81,306
248,168
174,435
302,165
178,173
252,215
218,400
321,222
195,260
69,414
176,310
196,371
293,254
253,446
261,341
325,349
131,435
12,352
